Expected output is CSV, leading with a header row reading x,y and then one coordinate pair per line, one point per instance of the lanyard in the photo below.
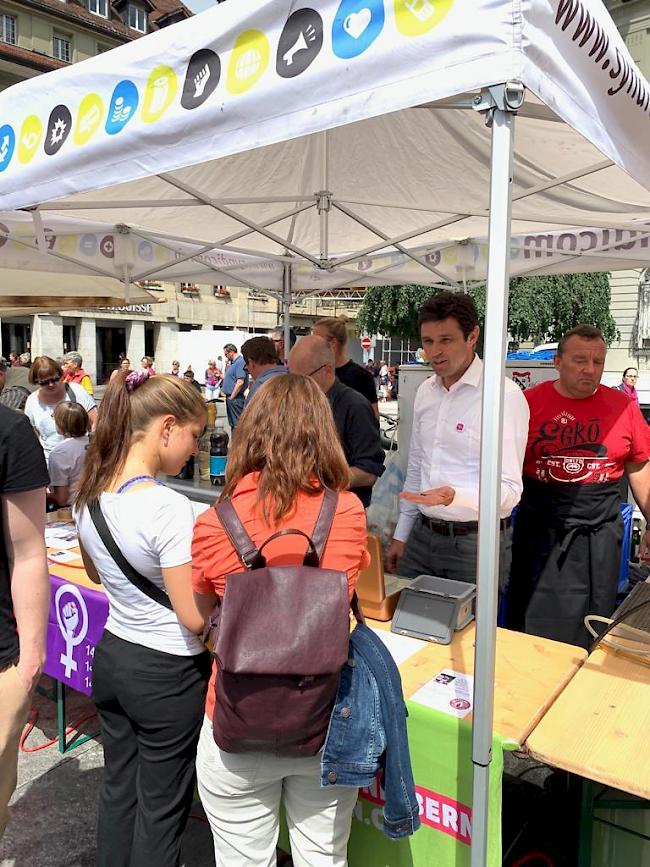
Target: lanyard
x,y
134,481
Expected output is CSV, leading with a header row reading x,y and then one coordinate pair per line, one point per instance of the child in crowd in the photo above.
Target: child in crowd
x,y
68,457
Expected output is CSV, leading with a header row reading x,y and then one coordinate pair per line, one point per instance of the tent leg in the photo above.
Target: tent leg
x,y
490,476
286,309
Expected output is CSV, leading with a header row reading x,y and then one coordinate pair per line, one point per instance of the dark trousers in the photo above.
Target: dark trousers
x,y
151,706
454,556
234,408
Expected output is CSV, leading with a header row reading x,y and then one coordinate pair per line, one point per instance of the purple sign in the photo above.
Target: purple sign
x,y
75,625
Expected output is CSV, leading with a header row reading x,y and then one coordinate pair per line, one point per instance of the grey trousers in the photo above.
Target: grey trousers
x,y
430,553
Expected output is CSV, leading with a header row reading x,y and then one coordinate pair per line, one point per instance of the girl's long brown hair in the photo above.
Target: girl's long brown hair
x,y
287,434
123,418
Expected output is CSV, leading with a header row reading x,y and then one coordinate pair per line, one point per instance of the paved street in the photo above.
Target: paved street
x,y
54,810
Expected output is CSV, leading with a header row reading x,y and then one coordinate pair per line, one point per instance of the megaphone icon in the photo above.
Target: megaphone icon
x,y
300,45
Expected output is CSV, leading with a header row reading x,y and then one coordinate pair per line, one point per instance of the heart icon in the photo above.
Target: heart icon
x,y
356,22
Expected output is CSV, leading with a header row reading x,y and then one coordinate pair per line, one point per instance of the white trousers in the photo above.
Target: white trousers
x,y
241,794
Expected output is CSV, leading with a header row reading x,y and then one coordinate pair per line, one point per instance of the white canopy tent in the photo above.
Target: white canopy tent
x,y
319,137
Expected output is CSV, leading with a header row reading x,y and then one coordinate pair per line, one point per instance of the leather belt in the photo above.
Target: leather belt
x,y
457,528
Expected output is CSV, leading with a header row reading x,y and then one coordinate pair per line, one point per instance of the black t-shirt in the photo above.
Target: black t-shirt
x,y
357,428
359,378
22,468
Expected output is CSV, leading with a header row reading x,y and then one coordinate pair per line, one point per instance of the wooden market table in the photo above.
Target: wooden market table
x,y
598,728
530,673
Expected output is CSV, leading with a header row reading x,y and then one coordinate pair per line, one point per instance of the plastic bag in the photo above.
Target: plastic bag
x,y
383,510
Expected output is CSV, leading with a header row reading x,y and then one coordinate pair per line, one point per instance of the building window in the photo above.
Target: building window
x,y
62,48
8,29
102,48
98,7
137,18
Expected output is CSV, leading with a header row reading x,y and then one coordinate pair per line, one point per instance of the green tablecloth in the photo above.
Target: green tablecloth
x,y
441,750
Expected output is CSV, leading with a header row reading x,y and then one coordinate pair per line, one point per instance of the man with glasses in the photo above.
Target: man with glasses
x,y
47,374
235,382
262,363
353,415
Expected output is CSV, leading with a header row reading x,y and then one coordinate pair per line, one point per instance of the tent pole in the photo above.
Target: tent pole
x,y
499,102
286,309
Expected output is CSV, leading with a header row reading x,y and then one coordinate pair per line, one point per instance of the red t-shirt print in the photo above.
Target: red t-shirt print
x,y
583,441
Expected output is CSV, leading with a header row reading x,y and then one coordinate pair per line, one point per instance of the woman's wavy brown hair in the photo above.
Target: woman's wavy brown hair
x,y
287,434
122,420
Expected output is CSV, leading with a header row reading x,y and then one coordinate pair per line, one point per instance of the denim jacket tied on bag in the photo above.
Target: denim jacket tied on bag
x,y
367,732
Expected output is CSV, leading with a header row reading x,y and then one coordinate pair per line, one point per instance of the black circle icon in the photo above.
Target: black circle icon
x,y
58,129
300,43
202,77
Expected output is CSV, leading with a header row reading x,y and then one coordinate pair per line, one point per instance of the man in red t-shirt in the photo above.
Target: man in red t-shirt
x,y
567,539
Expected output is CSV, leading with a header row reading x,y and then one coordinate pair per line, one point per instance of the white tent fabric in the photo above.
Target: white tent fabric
x,y
319,137
74,247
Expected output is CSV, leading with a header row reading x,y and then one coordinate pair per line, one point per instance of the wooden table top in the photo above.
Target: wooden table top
x,y
600,725
530,673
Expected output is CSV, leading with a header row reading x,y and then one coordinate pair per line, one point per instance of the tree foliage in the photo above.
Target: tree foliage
x,y
539,309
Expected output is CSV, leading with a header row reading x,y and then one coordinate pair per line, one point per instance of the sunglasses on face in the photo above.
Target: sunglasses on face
x,y
53,380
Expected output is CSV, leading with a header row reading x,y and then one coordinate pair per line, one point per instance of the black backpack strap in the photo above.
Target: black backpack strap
x,y
239,538
143,584
72,397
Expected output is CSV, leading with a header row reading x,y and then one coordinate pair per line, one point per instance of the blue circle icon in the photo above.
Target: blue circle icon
x,y
357,24
88,245
7,145
145,251
124,102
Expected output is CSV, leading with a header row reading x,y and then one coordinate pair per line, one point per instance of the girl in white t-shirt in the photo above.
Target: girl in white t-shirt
x,y
150,669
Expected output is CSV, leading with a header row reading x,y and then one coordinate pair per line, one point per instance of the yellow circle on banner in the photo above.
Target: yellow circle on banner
x,y
89,118
31,135
415,17
67,244
248,61
161,89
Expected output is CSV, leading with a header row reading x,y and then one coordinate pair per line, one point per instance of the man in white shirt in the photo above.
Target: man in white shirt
x,y
437,530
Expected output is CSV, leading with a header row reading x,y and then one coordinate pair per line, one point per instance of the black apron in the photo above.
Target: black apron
x,y
566,553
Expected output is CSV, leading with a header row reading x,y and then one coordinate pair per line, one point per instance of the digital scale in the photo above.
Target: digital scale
x,y
433,608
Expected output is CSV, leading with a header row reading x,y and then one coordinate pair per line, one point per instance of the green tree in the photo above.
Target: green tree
x,y
539,308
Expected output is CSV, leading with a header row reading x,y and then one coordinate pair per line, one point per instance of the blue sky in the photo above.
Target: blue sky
x,y
199,5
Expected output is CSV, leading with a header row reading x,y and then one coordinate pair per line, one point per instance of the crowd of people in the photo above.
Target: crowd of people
x,y
305,444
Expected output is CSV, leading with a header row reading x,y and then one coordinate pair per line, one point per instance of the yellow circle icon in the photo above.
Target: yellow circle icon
x,y
161,89
67,244
415,17
248,61
89,117
31,135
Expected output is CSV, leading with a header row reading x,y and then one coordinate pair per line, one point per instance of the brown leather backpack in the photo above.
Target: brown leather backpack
x,y
280,637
